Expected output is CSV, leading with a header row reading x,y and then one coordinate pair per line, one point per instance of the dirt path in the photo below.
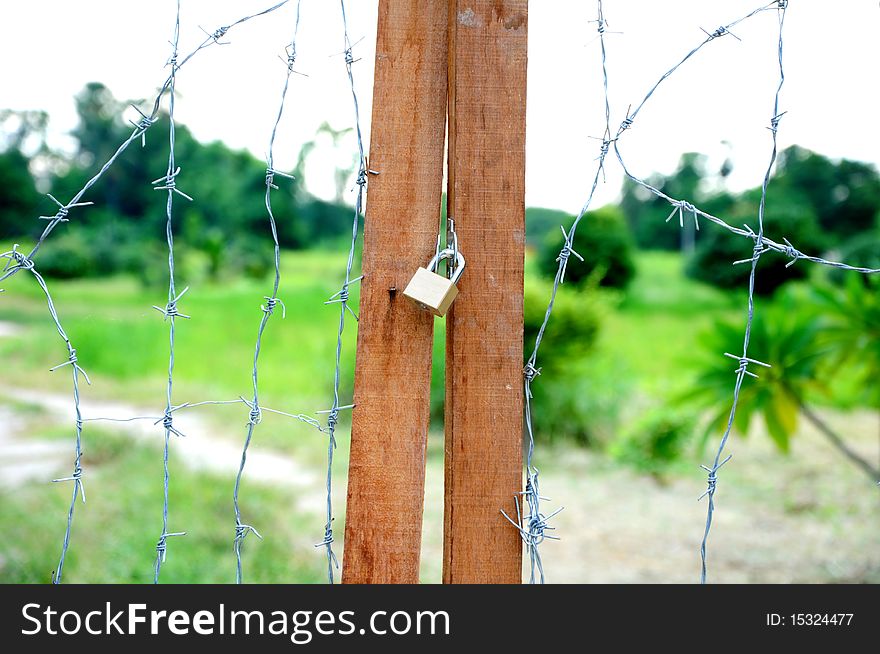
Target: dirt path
x,y
203,448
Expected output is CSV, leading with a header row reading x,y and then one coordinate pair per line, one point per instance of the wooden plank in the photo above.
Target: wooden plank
x,y
484,348
386,477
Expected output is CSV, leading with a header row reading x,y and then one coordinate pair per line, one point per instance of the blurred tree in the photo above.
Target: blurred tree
x,y
22,136
845,195
788,214
646,213
569,399
605,243
541,223
788,339
227,220
20,200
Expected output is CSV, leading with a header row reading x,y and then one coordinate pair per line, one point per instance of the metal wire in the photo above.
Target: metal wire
x,y
341,297
17,261
170,312
255,415
531,523
761,243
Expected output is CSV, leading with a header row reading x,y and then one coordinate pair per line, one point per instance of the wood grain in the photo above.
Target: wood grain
x,y
393,372
486,197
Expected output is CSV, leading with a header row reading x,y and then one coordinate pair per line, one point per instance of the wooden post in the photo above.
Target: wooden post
x,y
386,476
484,348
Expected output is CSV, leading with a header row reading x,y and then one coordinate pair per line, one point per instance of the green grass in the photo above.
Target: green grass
x,y
122,342
651,335
646,342
115,533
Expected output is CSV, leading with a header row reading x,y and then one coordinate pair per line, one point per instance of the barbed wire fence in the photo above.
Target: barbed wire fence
x,y
256,415
18,261
342,297
531,522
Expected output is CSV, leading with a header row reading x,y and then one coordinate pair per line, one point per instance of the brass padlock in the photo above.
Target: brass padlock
x,y
434,292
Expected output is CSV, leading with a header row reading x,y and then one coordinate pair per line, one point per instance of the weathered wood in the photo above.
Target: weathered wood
x,y
486,197
393,373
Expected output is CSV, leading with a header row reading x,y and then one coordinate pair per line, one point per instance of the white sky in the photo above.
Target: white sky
x,y
51,48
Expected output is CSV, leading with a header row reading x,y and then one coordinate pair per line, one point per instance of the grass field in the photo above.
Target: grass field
x,y
646,337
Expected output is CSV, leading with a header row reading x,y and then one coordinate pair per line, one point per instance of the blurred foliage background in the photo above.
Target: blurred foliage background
x,y
632,361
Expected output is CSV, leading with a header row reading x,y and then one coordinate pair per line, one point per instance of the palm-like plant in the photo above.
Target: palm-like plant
x,y
798,345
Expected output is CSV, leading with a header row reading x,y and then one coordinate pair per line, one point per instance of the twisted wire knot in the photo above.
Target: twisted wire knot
x,y
242,530
349,57
327,542
790,251
328,538
76,478
162,544
679,207
169,183
782,4
72,360
530,372
256,415
721,31
271,303
219,33
774,122
168,423
170,308
626,124
566,252
744,361
332,419
21,259
712,479
145,123
532,525
361,178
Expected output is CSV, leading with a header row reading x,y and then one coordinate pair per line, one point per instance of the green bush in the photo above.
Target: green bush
x,y
573,327
862,251
656,441
788,215
604,241
76,251
577,396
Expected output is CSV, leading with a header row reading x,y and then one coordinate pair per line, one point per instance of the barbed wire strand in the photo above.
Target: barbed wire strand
x,y
309,420
170,311
341,297
682,206
72,361
255,416
138,133
761,245
531,523
742,369
16,261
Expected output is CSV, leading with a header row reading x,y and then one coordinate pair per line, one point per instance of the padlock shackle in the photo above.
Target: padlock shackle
x,y
448,253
